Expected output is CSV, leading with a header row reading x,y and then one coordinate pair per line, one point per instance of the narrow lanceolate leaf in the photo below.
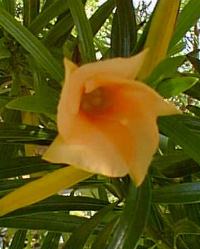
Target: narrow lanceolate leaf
x,y
20,166
185,227
102,240
193,57
60,29
177,49
54,9
27,40
80,236
4,101
18,240
164,161
187,18
63,203
178,193
194,91
84,30
124,30
176,164
160,33
194,109
100,16
11,150
50,222
37,190
51,240
183,132
133,219
21,133
9,6
31,10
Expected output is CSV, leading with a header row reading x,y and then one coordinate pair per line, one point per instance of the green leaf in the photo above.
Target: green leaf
x,y
60,29
142,38
51,240
12,133
186,19
175,164
84,30
10,184
9,6
80,236
39,52
181,169
124,30
4,53
102,13
164,161
102,240
184,131
10,150
184,193
4,101
130,227
45,101
193,123
96,21
194,109
20,166
63,203
18,240
165,69
192,211
175,86
34,104
194,91
158,39
177,49
51,222
31,10
193,57
54,9
183,227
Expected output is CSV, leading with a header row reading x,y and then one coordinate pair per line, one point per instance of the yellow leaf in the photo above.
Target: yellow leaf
x,y
42,188
159,36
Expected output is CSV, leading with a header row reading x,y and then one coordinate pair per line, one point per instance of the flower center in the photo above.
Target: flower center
x,y
95,101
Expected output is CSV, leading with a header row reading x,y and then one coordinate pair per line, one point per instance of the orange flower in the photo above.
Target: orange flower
x,y
107,119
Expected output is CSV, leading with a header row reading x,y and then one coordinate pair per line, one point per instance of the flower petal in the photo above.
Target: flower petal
x,y
146,139
126,68
90,149
69,68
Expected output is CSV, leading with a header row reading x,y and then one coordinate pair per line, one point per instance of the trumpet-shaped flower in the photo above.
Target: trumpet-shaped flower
x,y
107,119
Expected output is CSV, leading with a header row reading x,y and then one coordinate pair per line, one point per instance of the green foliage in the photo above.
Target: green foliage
x,y
99,212
31,44
187,18
172,87
18,240
124,29
129,228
